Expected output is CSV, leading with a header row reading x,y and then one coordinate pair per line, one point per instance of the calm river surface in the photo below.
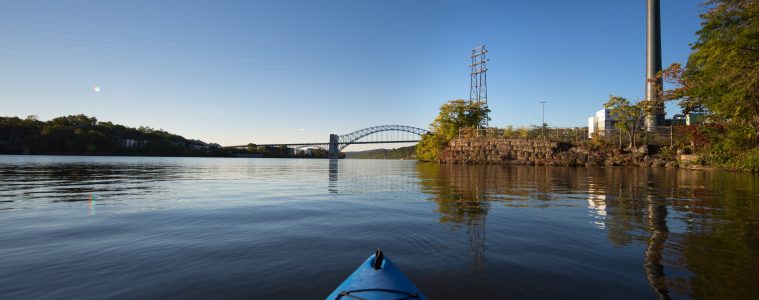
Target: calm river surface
x,y
136,227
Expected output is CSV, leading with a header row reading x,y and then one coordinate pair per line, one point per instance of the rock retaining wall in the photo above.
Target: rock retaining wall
x,y
481,150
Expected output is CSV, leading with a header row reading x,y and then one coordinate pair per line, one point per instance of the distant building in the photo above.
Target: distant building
x,y
677,120
694,118
602,123
131,143
196,145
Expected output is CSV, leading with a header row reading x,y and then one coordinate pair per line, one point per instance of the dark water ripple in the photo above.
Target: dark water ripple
x,y
155,228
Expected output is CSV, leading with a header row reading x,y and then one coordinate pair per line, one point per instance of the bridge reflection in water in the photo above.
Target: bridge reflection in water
x,y
349,176
634,207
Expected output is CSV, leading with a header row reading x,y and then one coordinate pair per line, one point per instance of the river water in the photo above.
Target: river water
x,y
156,228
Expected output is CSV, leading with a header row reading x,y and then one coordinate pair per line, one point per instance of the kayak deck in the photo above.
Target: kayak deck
x,y
377,278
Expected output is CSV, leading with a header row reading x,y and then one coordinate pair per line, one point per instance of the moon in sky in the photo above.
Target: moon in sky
x,y
96,89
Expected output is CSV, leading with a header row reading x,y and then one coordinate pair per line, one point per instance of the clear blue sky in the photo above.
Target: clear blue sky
x,y
235,72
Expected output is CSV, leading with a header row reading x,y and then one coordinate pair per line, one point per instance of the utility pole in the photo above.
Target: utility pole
x,y
544,117
478,88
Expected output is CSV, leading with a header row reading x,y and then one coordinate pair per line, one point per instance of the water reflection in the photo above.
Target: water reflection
x,y
333,175
597,209
359,176
637,233
684,218
657,225
699,230
79,182
463,195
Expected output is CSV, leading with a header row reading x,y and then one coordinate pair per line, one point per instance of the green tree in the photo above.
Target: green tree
x,y
457,114
430,146
680,87
722,78
627,115
453,116
508,132
722,73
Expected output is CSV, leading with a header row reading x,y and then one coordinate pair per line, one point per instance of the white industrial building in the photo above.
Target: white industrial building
x,y
602,122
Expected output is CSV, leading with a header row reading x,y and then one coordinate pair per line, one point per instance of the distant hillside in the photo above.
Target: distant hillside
x,y
83,135
80,134
399,153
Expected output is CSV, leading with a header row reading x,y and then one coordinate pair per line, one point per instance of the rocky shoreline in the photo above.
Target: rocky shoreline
x,y
490,150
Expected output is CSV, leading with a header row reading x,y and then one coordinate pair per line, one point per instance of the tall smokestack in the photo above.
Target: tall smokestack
x,y
655,117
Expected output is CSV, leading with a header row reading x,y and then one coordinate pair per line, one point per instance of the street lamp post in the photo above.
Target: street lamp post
x,y
543,103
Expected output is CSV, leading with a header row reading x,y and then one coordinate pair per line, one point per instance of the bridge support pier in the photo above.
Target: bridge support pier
x,y
334,150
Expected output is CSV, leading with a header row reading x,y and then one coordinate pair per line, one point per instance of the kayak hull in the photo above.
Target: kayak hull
x,y
385,283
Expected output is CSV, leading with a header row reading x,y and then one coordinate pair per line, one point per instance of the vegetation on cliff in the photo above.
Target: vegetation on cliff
x,y
454,115
80,134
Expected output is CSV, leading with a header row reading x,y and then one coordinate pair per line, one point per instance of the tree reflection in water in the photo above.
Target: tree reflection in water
x,y
699,230
640,202
461,194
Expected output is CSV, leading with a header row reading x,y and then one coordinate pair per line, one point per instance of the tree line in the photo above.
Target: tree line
x,y
81,134
84,135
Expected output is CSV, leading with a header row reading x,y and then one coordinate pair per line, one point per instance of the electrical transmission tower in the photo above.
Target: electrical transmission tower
x,y
478,91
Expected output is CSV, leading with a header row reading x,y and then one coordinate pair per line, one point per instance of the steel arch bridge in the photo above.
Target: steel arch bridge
x,y
354,137
339,142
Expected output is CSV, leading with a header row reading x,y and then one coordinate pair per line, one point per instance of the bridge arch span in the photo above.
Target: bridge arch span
x,y
339,142
346,140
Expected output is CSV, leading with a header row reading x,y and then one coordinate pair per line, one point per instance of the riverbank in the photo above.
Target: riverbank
x,y
494,150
